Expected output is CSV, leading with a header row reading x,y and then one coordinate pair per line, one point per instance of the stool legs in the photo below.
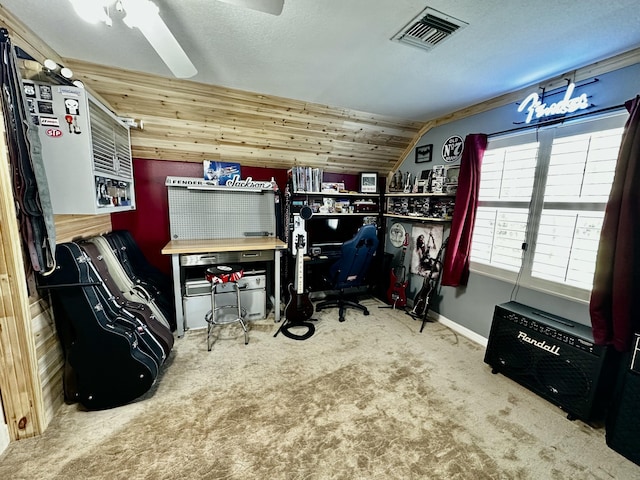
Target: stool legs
x,y
212,318
240,315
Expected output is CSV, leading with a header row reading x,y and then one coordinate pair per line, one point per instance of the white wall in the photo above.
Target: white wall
x,y
472,306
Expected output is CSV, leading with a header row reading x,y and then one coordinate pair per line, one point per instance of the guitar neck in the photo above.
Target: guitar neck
x,y
299,273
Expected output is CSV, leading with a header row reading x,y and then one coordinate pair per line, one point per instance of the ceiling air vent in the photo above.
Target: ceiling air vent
x,y
428,29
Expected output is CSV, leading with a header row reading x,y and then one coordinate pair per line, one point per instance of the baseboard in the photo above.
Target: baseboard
x,y
456,327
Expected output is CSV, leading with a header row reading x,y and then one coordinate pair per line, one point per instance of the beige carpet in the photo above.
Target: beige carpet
x,y
370,398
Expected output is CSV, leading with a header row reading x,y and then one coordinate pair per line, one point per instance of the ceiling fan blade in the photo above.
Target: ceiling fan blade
x,y
274,7
168,48
146,18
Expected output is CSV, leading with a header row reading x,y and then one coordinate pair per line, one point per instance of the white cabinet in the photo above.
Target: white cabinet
x,y
85,150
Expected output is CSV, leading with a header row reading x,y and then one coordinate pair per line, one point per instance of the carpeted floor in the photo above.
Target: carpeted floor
x,y
370,398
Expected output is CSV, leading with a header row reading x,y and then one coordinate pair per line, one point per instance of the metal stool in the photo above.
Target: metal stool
x,y
219,276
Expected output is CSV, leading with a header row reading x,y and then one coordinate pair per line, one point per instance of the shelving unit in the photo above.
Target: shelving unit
x,y
432,207
336,204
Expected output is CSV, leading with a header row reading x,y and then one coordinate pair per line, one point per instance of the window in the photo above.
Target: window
x,y
541,205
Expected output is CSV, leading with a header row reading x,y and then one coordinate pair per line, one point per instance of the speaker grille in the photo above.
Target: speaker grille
x,y
551,356
623,421
563,378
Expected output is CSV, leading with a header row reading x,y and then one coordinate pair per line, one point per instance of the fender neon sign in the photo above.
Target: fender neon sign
x,y
534,106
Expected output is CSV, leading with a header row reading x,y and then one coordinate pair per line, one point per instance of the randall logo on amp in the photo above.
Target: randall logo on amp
x,y
542,344
553,357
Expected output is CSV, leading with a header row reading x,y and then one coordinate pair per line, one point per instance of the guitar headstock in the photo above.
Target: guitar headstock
x,y
300,242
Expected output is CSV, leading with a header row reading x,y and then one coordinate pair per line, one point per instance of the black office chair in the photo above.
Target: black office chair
x,y
351,268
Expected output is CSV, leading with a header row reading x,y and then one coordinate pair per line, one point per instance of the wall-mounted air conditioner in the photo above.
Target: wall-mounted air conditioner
x,y
86,150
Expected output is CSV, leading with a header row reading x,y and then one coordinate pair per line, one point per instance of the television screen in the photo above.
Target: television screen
x,y
332,231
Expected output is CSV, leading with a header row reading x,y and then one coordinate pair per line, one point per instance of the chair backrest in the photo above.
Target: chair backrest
x,y
355,258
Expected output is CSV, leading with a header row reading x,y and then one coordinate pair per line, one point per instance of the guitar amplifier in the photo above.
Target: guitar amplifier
x,y
553,357
623,418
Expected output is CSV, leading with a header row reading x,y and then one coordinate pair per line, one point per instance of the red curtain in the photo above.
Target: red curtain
x,y
456,261
615,297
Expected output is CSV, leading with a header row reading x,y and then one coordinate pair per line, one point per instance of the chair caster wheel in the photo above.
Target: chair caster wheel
x,y
341,319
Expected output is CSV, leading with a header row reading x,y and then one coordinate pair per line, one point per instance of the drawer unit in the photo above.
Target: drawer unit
x,y
197,299
226,257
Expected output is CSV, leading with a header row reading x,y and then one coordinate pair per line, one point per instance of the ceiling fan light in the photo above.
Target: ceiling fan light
x,y
92,11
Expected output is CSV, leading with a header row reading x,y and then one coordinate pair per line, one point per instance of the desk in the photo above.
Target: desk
x,y
177,248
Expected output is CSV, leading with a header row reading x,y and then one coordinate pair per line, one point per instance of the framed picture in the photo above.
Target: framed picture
x,y
424,153
368,183
426,241
332,187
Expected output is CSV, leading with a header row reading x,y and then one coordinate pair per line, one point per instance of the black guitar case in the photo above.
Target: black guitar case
x,y
149,342
131,290
139,310
142,273
109,362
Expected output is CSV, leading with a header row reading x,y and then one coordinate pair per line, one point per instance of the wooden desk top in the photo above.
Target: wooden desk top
x,y
223,245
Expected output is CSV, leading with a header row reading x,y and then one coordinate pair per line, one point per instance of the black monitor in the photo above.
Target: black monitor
x,y
329,233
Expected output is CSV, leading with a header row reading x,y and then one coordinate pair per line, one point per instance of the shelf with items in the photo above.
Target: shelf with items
x,y
336,203
436,207
439,180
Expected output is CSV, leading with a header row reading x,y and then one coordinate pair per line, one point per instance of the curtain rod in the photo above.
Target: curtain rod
x,y
556,120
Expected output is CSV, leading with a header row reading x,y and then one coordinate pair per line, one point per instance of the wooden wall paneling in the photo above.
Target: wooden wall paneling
x,y
49,354
75,227
32,361
20,387
24,37
189,121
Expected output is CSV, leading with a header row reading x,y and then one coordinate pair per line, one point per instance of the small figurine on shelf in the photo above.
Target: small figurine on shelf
x,y
407,183
396,181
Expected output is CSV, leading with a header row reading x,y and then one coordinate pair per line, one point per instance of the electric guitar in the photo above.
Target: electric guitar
x,y
396,294
299,307
422,300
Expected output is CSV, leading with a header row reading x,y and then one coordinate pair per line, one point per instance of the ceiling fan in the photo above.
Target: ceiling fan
x,y
144,15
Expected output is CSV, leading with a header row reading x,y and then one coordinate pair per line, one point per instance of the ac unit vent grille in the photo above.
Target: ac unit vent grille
x,y
110,143
428,29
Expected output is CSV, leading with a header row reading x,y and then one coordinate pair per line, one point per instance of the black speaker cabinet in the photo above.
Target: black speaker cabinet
x,y
553,357
623,418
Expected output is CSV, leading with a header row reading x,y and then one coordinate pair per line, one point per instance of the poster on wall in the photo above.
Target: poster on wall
x,y
426,241
218,173
452,149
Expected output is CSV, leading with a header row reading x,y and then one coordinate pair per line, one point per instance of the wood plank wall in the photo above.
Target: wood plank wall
x,y
21,389
189,121
31,360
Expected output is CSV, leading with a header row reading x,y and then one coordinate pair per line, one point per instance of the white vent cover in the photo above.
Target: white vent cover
x,y
110,142
428,29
